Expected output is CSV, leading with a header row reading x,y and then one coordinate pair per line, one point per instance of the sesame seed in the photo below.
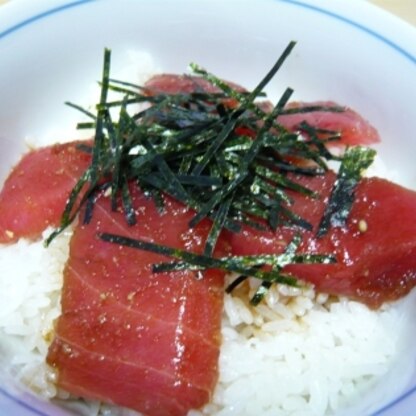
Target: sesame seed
x,y
362,226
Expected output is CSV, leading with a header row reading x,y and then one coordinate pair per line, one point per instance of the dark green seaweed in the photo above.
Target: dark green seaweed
x,y
220,154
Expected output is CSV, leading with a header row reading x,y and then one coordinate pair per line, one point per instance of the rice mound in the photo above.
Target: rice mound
x,y
30,287
305,354
298,353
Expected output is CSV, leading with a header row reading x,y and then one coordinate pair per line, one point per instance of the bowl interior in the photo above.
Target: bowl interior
x,y
347,51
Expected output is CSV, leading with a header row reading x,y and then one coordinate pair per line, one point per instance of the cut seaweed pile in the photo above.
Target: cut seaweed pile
x,y
222,155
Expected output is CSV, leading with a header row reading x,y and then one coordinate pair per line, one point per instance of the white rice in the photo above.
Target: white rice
x,y
30,286
301,354
298,354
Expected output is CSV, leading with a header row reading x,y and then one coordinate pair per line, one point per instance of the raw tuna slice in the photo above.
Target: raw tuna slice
x,y
39,185
354,129
185,84
177,84
146,341
376,251
35,193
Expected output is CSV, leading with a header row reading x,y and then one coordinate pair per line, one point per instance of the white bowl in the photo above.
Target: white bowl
x,y
348,51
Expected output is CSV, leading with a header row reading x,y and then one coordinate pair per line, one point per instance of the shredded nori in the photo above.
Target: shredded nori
x,y
220,154
354,162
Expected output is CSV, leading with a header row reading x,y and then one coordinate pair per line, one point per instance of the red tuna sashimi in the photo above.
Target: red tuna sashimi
x,y
39,185
185,84
145,341
376,251
177,84
354,128
35,193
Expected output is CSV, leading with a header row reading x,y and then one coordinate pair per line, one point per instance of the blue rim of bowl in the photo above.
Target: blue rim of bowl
x,y
407,55
22,403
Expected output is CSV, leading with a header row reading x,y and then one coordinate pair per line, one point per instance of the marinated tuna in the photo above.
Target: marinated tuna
x,y
128,336
36,191
375,251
